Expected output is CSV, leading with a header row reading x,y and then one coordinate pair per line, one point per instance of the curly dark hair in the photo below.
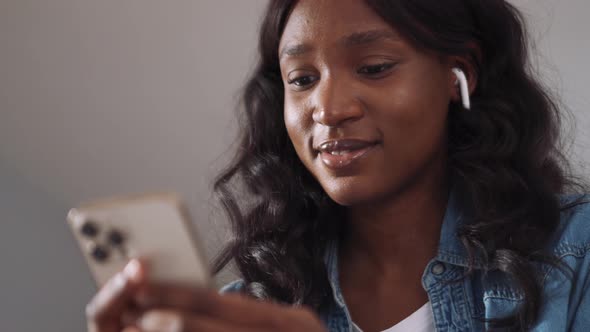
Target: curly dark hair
x,y
504,155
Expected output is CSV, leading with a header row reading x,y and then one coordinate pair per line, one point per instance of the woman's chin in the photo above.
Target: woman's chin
x,y
350,197
353,193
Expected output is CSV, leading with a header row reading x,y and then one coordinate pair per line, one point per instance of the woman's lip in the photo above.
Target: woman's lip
x,y
343,144
346,159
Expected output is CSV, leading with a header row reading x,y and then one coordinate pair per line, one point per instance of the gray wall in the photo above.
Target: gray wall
x,y
103,97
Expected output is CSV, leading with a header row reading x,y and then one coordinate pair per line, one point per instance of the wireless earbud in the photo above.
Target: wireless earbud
x,y
464,87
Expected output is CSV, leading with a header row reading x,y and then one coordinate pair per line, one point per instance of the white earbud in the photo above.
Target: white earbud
x,y
464,86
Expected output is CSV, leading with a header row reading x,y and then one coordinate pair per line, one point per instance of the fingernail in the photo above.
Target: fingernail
x,y
132,270
161,321
118,282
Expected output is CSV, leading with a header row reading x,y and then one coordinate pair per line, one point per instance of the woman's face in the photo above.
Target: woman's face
x,y
366,111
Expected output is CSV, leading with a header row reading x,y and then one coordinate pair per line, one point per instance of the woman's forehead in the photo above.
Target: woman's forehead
x,y
332,21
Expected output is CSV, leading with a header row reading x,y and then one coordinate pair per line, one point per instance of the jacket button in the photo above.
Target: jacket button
x,y
438,268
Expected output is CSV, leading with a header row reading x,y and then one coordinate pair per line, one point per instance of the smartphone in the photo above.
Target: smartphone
x,y
154,227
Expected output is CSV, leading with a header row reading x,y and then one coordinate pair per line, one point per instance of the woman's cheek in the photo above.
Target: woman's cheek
x,y
296,131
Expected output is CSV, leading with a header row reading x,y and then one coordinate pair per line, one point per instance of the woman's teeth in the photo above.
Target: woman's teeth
x,y
340,153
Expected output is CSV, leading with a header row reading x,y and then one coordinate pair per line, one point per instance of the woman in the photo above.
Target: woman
x,y
404,173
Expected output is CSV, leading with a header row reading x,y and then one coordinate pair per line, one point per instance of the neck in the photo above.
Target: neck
x,y
400,233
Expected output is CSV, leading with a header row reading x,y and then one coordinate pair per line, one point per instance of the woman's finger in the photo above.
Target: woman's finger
x,y
232,308
131,329
163,320
102,313
180,297
130,316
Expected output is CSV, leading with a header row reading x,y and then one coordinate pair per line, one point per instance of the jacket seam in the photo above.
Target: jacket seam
x,y
582,254
496,297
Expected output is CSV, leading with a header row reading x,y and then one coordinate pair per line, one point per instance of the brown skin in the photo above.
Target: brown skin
x,y
396,194
383,91
129,296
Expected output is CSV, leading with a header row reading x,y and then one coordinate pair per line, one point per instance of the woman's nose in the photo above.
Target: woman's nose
x,y
336,103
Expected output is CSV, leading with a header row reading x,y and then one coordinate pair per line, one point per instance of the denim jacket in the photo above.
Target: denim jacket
x,y
465,305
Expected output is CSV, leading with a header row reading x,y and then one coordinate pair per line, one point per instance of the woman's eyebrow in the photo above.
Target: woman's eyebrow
x,y
354,39
368,37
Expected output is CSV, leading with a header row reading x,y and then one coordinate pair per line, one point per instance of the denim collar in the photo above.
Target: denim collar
x,y
450,248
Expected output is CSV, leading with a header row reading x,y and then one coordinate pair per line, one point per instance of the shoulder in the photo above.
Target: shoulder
x,y
566,290
572,236
235,286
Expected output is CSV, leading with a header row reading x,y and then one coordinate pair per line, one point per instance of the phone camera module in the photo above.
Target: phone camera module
x,y
99,253
89,229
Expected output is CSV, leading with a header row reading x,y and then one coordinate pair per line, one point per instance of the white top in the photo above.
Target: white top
x,y
422,320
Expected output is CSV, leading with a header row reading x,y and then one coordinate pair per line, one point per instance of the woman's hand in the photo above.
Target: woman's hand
x,y
132,304
166,308
108,310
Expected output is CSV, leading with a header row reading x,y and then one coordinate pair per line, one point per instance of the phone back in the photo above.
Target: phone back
x,y
155,227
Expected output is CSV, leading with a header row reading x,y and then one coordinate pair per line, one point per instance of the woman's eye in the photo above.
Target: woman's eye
x,y
374,70
302,81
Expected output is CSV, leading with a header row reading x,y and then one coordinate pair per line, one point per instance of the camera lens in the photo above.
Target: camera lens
x,y
89,229
115,238
99,253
